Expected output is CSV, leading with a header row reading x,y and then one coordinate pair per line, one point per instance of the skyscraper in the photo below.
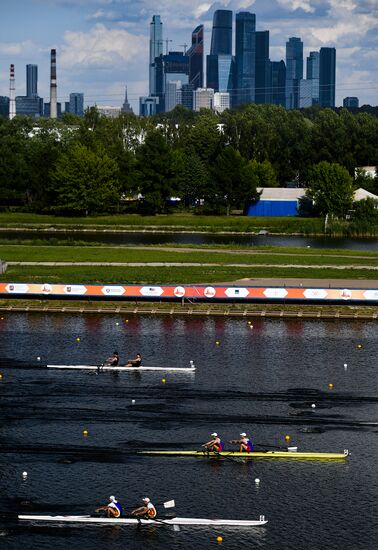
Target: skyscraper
x,y
195,54
245,58
221,37
126,108
294,71
219,70
263,69
31,80
173,67
351,102
77,104
156,49
278,81
312,74
327,77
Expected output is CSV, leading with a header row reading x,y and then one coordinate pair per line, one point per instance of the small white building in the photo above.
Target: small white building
x,y
221,101
203,98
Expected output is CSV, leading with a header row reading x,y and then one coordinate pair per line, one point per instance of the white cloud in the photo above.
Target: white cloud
x,y
16,48
293,5
102,46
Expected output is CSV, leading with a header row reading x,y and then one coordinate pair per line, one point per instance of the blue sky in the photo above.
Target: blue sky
x,y
102,45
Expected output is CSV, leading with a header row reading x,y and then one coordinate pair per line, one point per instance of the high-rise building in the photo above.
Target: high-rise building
x,y
195,55
305,93
263,69
351,102
294,71
327,77
203,98
187,96
221,37
156,50
31,80
245,58
4,106
126,107
278,82
148,106
312,73
220,63
172,67
77,104
221,101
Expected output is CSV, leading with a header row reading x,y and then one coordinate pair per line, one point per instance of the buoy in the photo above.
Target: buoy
x,y
163,380
126,320
217,342
24,474
77,339
1,375
330,386
359,346
249,322
345,365
38,358
133,401
219,539
257,481
85,433
287,437
313,406
117,324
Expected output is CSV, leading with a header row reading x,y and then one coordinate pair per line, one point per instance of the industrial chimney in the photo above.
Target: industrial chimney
x,y
12,94
53,95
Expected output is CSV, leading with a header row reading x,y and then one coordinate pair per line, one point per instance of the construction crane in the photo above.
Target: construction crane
x,y
184,46
167,40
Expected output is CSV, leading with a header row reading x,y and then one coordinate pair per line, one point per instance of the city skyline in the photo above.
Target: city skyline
x,y
102,46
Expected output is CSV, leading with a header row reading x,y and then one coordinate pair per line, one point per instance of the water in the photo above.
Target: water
x,y
262,380
143,238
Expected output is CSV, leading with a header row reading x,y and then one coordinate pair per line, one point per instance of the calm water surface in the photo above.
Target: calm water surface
x,y
145,238
262,380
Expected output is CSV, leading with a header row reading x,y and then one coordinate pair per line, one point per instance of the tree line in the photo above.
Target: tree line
x,y
212,162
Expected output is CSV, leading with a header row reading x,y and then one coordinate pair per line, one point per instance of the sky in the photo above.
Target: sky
x,y
103,45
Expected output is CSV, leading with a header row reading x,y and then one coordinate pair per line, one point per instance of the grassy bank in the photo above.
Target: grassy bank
x,y
178,222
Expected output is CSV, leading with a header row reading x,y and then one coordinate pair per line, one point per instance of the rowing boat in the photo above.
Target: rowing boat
x,y
191,368
288,455
134,521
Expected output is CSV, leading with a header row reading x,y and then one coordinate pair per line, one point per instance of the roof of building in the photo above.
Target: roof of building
x,y
281,193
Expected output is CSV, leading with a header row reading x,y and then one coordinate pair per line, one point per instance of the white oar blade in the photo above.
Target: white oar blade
x,y
169,504
292,449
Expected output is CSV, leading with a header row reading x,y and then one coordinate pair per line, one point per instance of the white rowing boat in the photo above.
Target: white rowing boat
x,y
134,521
101,368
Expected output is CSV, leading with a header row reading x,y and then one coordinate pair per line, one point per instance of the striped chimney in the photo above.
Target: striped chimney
x,y
12,94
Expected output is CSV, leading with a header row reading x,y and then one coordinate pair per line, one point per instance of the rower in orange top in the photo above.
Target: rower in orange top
x,y
146,511
214,444
113,509
245,444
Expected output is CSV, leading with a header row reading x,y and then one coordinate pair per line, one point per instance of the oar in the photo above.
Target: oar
x,y
167,504
275,447
100,367
217,453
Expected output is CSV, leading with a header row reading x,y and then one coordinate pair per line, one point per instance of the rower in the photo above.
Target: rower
x,y
146,511
245,444
134,362
214,444
113,509
113,360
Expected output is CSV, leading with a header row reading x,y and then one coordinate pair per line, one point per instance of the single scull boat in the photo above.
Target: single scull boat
x,y
289,455
134,521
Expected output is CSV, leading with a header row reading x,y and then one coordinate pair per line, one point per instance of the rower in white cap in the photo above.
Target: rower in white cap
x,y
146,511
245,444
113,509
215,444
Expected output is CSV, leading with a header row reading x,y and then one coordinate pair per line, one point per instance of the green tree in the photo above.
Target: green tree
x,y
156,173
228,180
366,211
331,188
84,181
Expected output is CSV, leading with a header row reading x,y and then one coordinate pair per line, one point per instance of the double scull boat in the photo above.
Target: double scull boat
x,y
288,455
165,520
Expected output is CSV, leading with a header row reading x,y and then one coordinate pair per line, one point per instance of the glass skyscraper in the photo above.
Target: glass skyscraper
x,y
31,80
327,77
77,104
294,71
263,69
313,62
278,82
195,54
221,37
219,69
156,49
245,58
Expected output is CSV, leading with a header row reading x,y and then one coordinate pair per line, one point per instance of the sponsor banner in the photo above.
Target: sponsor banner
x,y
203,292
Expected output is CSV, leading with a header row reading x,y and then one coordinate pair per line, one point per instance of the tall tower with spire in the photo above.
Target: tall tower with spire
x,y
126,107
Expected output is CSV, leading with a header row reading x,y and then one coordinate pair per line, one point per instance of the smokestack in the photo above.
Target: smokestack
x,y
53,96
12,94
